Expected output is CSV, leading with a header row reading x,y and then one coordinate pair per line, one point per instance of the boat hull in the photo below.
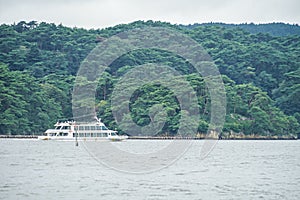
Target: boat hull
x,y
114,139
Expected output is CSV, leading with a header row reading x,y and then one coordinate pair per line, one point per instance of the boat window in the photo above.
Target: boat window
x,y
93,128
112,133
103,128
58,127
81,128
66,127
87,128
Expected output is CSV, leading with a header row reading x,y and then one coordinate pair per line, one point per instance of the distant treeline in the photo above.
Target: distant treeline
x,y
274,29
261,74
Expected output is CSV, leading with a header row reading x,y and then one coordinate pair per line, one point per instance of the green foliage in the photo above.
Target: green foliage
x,y
25,105
287,95
260,73
276,29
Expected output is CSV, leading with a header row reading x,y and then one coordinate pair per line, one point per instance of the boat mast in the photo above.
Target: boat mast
x,y
76,135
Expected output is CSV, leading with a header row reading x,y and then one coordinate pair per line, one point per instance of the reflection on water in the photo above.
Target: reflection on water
x,y
32,169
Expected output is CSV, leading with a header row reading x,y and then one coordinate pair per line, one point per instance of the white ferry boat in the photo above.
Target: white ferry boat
x,y
71,130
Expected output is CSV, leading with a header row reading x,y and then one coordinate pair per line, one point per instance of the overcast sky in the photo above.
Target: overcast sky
x,y
106,13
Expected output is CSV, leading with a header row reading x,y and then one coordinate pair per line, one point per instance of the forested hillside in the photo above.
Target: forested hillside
x,y
39,62
275,29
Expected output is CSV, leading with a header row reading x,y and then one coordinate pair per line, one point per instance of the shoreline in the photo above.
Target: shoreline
x,y
208,138
167,138
18,136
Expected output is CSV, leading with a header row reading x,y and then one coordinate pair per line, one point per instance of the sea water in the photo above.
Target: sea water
x,y
33,169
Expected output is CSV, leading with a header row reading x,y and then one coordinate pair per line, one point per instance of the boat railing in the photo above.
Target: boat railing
x,y
72,121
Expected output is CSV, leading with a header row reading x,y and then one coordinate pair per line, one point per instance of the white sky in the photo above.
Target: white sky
x,y
106,13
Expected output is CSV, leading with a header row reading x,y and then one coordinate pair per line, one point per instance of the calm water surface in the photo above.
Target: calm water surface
x,y
32,169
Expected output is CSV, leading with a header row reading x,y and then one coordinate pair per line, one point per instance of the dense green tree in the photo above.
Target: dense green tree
x,y
25,106
288,93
